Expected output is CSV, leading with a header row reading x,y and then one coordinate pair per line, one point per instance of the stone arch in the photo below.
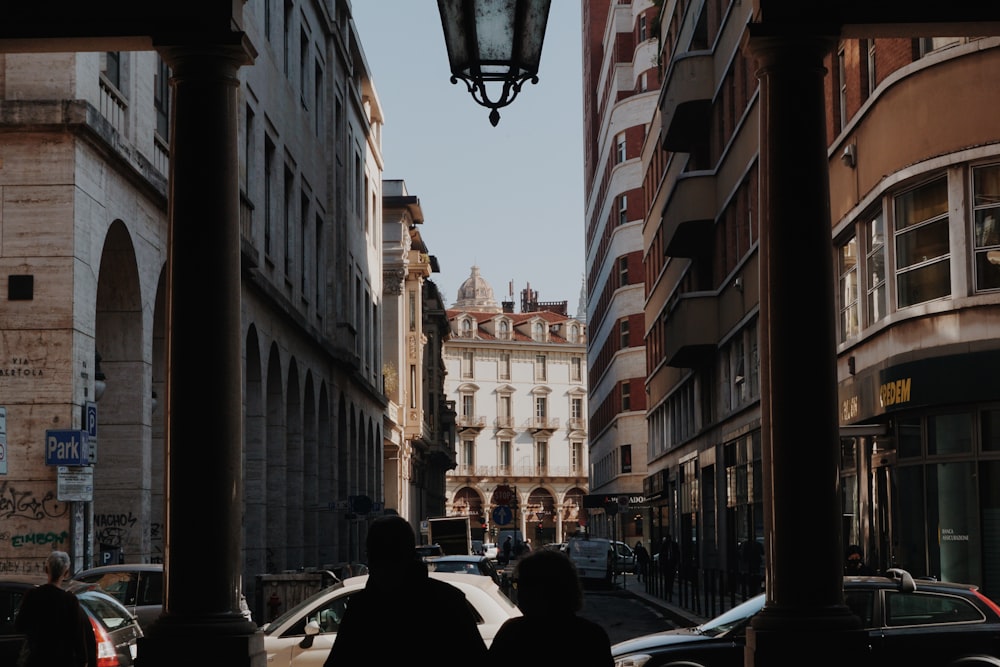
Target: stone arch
x,y
294,471
122,502
469,502
327,479
277,466
254,464
310,474
540,510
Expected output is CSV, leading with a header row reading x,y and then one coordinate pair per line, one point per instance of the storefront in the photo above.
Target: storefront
x,y
920,466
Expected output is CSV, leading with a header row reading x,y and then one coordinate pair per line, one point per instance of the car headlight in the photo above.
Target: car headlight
x,y
632,660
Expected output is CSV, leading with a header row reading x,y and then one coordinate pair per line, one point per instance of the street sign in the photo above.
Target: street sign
x,y
503,495
66,447
75,484
90,426
502,515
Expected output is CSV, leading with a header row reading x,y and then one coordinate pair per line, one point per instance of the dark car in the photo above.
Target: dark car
x,y
138,586
908,622
472,564
116,630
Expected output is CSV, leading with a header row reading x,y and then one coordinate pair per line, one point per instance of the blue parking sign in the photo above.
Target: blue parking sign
x,y
67,447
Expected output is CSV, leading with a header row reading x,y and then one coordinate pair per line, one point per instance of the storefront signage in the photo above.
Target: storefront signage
x,y
894,393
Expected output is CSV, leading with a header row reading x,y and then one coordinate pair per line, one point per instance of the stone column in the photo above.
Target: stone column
x,y
203,419
804,615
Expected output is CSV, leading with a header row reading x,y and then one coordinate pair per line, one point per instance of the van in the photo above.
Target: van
x,y
592,556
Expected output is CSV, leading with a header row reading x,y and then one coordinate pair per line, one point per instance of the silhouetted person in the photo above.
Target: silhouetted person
x,y
58,630
670,558
549,595
506,549
854,562
641,561
403,612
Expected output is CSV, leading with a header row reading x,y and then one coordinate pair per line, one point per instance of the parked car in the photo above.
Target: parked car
x,y
428,550
116,630
138,586
304,634
592,557
478,565
908,622
490,550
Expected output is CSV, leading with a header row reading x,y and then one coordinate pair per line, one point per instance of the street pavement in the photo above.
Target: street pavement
x,y
677,615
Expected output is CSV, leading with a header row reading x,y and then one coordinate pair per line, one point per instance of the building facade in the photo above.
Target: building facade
x,y
85,152
912,175
518,383
621,84
419,436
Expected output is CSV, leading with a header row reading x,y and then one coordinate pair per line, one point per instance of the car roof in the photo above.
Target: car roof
x,y
122,567
474,558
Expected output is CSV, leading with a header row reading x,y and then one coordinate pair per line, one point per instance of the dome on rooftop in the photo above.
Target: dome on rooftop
x,y
476,294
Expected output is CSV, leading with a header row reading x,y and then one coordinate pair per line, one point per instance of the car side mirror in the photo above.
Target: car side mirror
x,y
312,628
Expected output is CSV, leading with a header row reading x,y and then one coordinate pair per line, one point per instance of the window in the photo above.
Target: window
x,y
268,193
622,271
870,53
574,334
622,209
113,69
542,456
919,608
626,395
576,372
504,371
620,149
505,409
842,93
412,307
503,456
643,36
626,459
161,99
287,220
503,330
468,453
876,268
467,359
540,371
539,332
850,325
921,242
541,408
576,408
986,232
466,328
623,335
576,457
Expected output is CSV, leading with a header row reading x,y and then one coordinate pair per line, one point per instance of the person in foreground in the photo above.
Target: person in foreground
x,y
549,595
58,630
402,611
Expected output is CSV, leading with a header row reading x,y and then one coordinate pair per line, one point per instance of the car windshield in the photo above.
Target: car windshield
x,y
737,617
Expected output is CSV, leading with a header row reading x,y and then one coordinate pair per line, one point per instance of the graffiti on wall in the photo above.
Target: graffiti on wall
x,y
21,503
113,529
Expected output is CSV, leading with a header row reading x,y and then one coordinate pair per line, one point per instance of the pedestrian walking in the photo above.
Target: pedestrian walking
x,y
549,596
437,614
641,562
506,549
58,631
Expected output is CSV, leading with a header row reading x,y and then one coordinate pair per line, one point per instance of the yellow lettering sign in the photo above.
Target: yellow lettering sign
x,y
894,393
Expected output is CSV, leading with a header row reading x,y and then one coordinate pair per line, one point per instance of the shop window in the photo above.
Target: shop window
x,y
991,430
949,434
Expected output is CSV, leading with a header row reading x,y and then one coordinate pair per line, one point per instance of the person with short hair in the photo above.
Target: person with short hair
x,y
549,595
57,628
433,612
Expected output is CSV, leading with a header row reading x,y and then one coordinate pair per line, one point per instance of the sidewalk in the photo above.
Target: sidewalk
x,y
679,616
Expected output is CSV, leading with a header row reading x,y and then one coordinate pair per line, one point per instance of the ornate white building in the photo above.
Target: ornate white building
x,y
519,383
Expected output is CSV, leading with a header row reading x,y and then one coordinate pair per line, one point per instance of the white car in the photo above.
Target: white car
x,y
303,635
490,550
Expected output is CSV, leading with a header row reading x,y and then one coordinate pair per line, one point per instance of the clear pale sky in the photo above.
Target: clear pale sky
x,y
508,199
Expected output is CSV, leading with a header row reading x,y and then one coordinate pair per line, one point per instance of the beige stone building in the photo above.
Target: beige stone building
x,y
519,384
84,152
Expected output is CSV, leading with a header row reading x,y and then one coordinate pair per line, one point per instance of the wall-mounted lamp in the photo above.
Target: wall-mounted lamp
x,y
99,380
850,155
738,283
494,43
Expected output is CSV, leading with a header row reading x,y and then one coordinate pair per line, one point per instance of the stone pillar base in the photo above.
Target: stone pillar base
x,y
196,647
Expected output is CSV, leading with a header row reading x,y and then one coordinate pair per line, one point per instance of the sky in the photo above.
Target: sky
x,y
508,199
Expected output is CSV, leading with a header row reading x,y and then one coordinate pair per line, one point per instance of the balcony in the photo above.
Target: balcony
x,y
504,421
692,330
521,470
689,215
470,421
536,424
686,101
576,424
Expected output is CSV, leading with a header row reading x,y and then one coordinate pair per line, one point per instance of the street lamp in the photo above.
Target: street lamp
x,y
494,42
